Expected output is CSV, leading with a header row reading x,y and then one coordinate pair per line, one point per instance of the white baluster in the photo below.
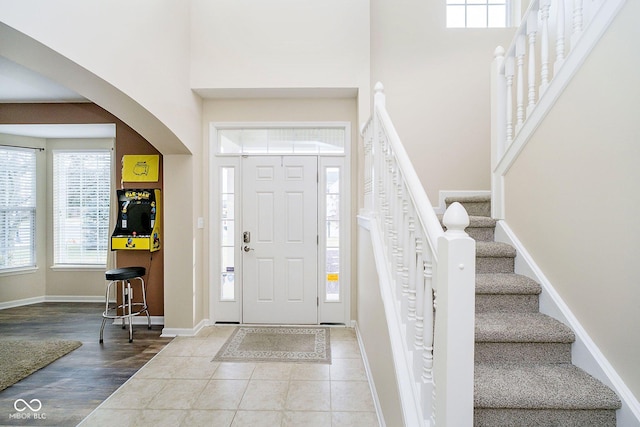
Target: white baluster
x,y
407,250
560,26
428,380
427,356
410,260
508,73
578,22
544,45
520,52
532,31
419,278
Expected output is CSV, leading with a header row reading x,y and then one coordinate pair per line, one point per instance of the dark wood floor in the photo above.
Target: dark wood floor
x,y
74,385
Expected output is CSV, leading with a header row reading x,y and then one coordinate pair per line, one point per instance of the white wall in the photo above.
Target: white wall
x,y
572,196
437,85
279,44
374,333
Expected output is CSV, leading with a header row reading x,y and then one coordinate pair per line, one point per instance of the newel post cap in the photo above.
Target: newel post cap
x,y
456,220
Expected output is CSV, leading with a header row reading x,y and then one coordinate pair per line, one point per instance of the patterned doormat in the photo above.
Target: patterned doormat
x,y
276,344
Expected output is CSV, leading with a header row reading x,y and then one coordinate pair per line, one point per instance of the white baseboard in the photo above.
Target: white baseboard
x,y
21,302
51,298
184,332
585,353
367,369
74,298
442,207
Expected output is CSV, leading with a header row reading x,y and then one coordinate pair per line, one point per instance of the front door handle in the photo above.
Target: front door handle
x,y
247,248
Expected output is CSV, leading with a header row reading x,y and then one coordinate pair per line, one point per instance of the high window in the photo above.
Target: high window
x,y
17,208
477,13
81,190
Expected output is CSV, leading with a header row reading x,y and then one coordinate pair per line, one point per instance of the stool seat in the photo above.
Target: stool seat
x,y
125,273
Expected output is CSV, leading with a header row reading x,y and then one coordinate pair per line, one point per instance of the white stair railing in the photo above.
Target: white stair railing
x,y
431,276
551,43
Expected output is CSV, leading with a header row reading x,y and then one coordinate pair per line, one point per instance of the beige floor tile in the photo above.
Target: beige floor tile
x,y
347,370
201,418
351,396
234,371
310,371
354,419
216,331
105,418
134,394
209,347
181,347
272,371
178,394
221,394
257,419
179,368
346,349
160,367
339,334
309,396
306,419
131,418
265,395
160,418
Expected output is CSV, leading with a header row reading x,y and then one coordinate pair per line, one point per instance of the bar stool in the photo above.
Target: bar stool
x,y
124,276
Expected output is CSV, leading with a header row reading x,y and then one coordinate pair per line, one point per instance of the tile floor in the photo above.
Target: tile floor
x,y
181,386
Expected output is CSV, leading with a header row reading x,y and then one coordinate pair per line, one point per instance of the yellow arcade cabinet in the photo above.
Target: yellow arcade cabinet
x,y
138,225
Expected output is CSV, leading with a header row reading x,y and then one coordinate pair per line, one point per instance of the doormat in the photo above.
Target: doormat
x,y
277,344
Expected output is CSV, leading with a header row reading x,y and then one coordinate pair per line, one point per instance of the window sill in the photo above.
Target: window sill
x,y
78,267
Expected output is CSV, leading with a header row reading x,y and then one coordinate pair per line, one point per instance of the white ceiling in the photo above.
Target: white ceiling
x,y
20,84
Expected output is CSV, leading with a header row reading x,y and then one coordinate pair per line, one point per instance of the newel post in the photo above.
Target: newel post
x,y
455,321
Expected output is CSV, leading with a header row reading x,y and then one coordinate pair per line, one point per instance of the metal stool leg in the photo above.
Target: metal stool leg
x,y
144,303
106,310
129,313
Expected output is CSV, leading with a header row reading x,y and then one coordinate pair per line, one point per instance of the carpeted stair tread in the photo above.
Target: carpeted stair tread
x,y
468,199
476,221
521,327
506,284
495,250
555,386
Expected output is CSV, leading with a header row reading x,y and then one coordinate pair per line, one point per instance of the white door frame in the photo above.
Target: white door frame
x,y
230,310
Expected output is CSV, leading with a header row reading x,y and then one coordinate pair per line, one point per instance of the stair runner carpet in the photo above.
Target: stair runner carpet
x,y
523,372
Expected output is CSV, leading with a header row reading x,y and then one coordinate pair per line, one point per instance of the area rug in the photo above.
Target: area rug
x,y
277,344
19,359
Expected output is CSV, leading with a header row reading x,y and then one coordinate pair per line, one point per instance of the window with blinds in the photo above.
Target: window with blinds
x,y
81,190
17,208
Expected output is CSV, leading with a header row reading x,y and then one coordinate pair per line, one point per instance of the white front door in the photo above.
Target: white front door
x,y
280,239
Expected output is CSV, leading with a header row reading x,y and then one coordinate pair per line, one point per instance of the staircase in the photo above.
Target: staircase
x,y
523,370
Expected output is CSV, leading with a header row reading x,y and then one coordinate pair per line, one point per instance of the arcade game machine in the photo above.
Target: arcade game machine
x,y
138,225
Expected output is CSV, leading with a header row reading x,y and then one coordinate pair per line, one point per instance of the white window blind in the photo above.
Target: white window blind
x,y
81,189
17,208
